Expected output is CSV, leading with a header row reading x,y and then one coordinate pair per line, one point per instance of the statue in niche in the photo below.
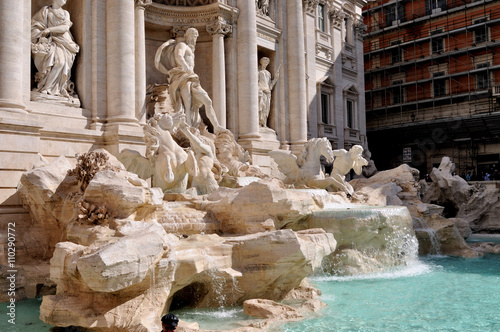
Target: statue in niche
x,y
266,85
53,49
175,58
262,7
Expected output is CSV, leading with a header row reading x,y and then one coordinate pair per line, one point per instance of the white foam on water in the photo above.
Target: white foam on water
x,y
414,268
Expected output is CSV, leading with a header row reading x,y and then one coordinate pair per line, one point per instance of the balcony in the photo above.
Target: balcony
x,y
327,130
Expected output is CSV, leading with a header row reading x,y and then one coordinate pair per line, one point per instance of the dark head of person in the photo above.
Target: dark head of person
x,y
169,322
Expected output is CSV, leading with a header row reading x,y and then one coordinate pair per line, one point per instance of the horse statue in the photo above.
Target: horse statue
x,y
307,166
166,163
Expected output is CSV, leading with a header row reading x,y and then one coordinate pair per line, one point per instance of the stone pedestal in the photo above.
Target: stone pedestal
x,y
259,150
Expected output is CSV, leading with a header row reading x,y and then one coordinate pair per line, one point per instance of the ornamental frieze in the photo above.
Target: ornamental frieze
x,y
196,16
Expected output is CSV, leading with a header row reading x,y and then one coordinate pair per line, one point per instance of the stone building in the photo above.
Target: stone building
x,y
315,44
432,82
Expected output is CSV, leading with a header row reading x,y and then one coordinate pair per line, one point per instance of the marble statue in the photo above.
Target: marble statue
x,y
266,85
166,163
307,166
204,180
54,50
344,162
262,7
175,58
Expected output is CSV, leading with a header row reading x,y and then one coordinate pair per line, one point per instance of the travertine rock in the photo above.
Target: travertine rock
x,y
482,210
269,309
260,206
447,241
124,194
446,189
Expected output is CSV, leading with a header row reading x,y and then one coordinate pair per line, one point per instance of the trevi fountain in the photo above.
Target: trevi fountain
x,y
187,221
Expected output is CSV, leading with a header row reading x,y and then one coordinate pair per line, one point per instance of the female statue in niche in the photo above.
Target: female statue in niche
x,y
54,50
266,85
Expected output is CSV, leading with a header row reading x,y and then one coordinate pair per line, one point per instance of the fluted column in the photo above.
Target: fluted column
x,y
248,94
218,29
11,55
296,71
120,38
140,61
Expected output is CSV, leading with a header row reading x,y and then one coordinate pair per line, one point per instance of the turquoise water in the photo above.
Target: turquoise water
x,y
27,313
433,294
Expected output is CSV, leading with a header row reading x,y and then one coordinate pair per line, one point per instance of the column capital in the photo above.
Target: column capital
x,y
143,3
337,17
360,29
179,31
310,6
219,26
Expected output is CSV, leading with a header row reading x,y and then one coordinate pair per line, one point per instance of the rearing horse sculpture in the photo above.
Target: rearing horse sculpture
x,y
307,166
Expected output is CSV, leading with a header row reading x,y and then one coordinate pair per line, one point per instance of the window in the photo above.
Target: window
x,y
324,108
394,14
396,55
482,77
480,33
346,29
397,95
434,6
439,85
350,114
321,17
437,43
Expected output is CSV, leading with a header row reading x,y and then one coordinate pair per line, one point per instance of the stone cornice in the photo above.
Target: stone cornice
x,y
143,3
193,16
219,26
310,6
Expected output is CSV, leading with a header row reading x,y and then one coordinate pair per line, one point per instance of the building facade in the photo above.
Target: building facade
x,y
314,49
431,73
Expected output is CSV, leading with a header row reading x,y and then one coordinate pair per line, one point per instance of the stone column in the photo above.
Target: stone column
x,y
11,55
218,29
337,21
248,93
120,61
296,71
140,61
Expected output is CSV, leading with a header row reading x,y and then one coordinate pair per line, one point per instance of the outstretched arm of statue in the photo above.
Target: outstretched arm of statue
x,y
196,144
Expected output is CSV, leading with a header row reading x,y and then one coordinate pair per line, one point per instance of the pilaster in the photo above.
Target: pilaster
x,y
140,58
11,55
219,29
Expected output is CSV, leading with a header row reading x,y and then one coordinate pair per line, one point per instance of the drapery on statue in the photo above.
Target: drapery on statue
x,y
53,50
266,85
262,7
306,169
176,59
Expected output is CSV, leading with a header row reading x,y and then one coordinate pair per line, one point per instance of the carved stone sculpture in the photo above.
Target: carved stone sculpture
x,y
53,50
266,85
204,180
262,7
166,163
344,162
307,166
175,58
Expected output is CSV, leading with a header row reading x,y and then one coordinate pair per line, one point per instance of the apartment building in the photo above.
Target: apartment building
x,y
431,73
